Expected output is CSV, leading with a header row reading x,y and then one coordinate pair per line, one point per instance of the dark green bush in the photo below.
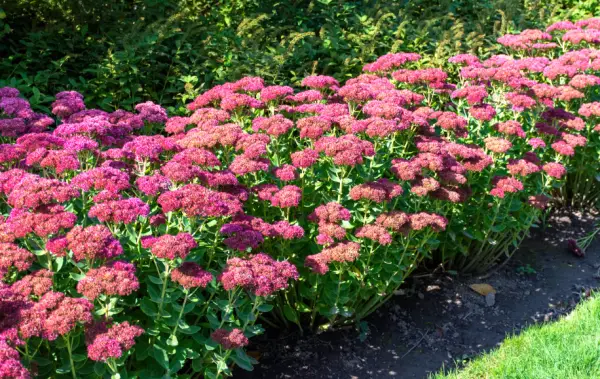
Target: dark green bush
x,y
122,52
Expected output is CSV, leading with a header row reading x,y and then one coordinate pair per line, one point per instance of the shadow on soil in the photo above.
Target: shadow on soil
x,y
439,321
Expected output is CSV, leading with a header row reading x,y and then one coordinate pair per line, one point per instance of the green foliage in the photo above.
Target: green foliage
x,y
122,52
566,349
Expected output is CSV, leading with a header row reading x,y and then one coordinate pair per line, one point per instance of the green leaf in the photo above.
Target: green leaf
x,y
290,313
498,228
243,360
191,354
155,280
515,205
141,350
172,341
99,368
76,276
189,307
213,320
41,361
222,366
209,343
197,365
148,307
301,307
176,366
265,308
35,99
253,330
161,357
59,262
154,294
39,253
469,235
188,329
210,374
64,369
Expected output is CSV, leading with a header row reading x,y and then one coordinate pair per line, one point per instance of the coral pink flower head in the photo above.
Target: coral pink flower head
x,y
191,275
171,247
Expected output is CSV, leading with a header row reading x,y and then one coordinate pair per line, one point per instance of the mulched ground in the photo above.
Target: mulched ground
x,y
439,321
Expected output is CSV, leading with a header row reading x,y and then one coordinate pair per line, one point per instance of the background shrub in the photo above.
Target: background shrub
x,y
123,52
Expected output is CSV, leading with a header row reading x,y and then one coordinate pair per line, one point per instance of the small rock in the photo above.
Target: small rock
x,y
490,299
527,293
421,296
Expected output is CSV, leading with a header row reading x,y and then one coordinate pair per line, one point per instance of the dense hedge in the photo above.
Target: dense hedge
x,y
123,52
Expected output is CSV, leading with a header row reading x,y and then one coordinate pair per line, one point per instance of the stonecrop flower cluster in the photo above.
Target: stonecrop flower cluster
x,y
159,244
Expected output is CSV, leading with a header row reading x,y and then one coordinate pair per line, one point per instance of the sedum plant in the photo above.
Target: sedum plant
x,y
138,244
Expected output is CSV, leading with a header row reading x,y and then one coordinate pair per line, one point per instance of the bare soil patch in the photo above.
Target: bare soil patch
x,y
439,321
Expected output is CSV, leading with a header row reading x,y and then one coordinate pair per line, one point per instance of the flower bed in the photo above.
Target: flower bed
x,y
152,245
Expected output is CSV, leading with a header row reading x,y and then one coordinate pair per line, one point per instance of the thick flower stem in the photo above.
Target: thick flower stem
x,y
106,309
185,299
70,350
165,280
341,188
313,314
112,366
337,298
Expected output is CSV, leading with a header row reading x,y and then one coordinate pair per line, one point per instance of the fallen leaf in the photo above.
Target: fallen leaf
x,y
482,288
254,354
433,288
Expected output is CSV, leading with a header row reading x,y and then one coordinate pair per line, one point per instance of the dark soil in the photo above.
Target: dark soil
x,y
439,321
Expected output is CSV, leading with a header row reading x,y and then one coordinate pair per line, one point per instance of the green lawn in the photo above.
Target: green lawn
x,y
566,349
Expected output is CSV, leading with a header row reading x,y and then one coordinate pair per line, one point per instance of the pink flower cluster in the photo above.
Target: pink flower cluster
x,y
93,242
114,279
191,275
124,211
105,343
230,339
170,246
344,251
328,216
37,283
54,315
259,274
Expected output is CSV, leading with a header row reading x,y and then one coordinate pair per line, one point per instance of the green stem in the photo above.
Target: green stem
x,y
165,280
107,309
185,299
112,366
337,298
204,308
341,188
70,350
313,315
213,251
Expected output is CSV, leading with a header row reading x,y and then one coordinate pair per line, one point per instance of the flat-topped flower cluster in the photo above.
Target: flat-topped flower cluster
x,y
158,245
